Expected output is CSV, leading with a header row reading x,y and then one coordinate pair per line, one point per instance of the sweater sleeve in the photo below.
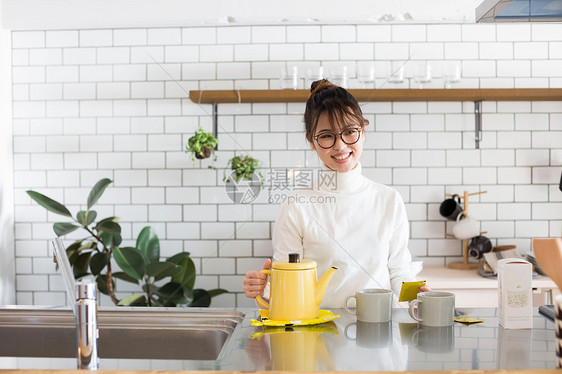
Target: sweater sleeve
x,y
399,257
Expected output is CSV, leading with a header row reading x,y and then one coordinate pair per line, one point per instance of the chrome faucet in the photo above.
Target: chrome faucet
x,y
83,299
60,257
87,332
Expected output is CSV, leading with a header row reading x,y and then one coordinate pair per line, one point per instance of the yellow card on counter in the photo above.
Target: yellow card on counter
x,y
410,290
467,320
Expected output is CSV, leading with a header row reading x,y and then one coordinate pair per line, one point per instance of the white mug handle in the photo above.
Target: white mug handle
x,y
414,337
346,307
345,331
414,315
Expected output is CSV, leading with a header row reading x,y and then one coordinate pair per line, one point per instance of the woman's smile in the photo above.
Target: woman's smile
x,y
342,157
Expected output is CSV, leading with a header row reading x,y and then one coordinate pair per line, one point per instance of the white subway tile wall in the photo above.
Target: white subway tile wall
x,y
114,103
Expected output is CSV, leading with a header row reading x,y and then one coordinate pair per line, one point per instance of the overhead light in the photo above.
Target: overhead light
x,y
519,11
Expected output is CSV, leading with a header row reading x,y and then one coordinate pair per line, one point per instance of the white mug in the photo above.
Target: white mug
x,y
434,308
466,228
372,305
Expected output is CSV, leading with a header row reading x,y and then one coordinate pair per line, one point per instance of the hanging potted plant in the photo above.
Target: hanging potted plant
x,y
244,167
201,145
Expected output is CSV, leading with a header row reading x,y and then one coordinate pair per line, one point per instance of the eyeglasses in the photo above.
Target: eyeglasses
x,y
348,136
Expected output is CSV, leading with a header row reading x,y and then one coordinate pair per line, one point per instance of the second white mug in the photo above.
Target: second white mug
x,y
372,305
433,308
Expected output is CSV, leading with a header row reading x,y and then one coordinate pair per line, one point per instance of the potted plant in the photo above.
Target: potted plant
x,y
244,167
163,283
202,144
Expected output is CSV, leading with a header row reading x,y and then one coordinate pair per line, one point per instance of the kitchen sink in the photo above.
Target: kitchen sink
x,y
127,333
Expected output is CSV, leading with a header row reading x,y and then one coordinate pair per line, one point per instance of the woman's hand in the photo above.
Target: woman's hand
x,y
258,351
255,282
425,289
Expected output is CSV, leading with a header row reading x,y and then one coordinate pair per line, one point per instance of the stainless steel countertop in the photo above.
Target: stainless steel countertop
x,y
345,345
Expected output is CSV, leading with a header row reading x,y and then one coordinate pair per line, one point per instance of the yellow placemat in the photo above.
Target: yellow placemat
x,y
325,328
324,316
410,290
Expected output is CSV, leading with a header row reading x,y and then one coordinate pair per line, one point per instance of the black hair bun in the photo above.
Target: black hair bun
x,y
321,84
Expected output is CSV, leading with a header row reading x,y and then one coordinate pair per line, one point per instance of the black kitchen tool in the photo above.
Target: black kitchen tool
x,y
547,311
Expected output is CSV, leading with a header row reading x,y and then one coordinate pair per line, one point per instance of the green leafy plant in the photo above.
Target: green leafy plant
x,y
244,167
202,144
163,283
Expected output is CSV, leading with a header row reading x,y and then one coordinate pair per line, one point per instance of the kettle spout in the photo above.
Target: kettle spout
x,y
323,284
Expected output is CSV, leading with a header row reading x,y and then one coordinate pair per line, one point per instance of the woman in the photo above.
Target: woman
x,y
349,221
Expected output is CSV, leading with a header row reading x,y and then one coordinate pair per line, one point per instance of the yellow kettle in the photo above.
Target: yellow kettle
x,y
295,293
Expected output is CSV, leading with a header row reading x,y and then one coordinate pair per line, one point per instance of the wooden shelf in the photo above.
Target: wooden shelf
x,y
384,95
476,95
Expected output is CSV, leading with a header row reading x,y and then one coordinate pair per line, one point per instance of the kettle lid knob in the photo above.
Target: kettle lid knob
x,y
294,258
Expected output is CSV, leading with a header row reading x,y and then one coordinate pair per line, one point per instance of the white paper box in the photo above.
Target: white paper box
x,y
515,305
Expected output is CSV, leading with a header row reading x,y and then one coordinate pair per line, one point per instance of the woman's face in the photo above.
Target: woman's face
x,y
341,157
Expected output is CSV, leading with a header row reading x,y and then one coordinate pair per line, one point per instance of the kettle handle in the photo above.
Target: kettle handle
x,y
261,302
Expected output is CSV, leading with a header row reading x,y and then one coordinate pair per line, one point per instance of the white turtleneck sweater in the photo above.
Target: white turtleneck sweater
x,y
358,226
